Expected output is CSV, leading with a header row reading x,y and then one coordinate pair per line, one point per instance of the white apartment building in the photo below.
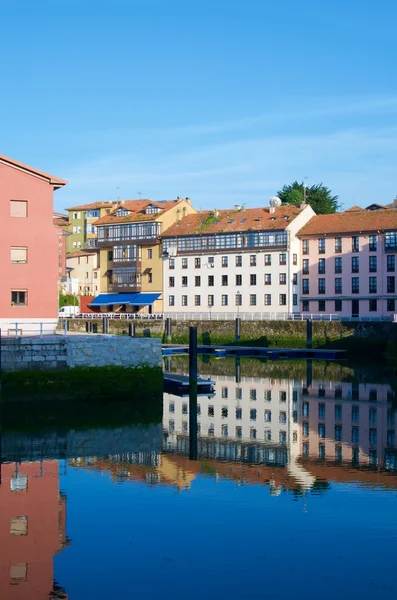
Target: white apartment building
x,y
83,266
234,261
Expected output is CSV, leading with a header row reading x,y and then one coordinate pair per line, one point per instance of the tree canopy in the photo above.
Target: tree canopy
x,y
318,196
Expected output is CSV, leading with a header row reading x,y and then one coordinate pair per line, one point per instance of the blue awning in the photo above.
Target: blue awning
x,y
143,299
107,299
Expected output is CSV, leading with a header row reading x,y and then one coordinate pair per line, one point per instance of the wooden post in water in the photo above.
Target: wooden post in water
x,y
193,393
309,373
131,329
238,370
238,329
168,329
104,324
309,333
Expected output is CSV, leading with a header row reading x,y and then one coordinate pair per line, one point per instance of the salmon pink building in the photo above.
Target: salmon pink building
x,y
348,264
29,248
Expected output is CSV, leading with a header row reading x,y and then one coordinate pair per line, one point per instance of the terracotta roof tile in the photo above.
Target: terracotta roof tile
x,y
234,220
136,207
55,181
351,222
81,253
354,208
93,206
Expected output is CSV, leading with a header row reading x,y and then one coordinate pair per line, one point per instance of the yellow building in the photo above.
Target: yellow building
x,y
131,262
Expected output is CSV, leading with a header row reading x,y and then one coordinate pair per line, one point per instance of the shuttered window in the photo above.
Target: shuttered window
x,y
19,526
18,208
19,254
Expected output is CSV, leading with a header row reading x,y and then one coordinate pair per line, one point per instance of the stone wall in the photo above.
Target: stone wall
x,y
58,352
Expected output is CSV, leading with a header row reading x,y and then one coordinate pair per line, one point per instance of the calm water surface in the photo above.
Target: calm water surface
x,y
294,494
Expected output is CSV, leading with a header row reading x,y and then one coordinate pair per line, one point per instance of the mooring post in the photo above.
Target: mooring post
x,y
104,324
168,329
238,370
309,373
193,393
131,329
238,329
309,333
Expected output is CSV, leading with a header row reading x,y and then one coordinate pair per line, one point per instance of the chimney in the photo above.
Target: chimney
x,y
188,200
272,210
302,205
216,212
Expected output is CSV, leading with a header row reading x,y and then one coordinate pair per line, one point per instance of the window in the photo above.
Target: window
x,y
282,259
372,285
283,278
184,300
391,284
171,282
321,430
252,433
239,413
338,265
184,281
239,280
305,247
86,274
321,285
19,483
355,243
268,435
321,246
211,262
211,411
252,299
373,436
19,526
391,305
197,263
355,414
338,285
321,306
171,263
268,395
210,300
305,286
321,411
253,260
150,253
305,409
18,573
19,255
295,279
282,416
239,300
268,416
390,240
225,261
305,266
19,298
252,279
224,280
372,264
239,432
95,274
321,451
338,245
305,429
282,300
294,259
150,277
305,306
197,281
355,264
355,435
294,299
373,305
372,416
211,429
210,281
268,278
268,260
224,300
283,396
268,299
391,263
18,208
282,437
184,263
253,414
321,266
239,394
239,261
197,300
338,412
391,438
338,305
171,407
373,243
338,433
355,285
184,408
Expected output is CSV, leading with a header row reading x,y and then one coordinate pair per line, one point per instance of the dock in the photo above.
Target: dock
x,y
255,351
177,384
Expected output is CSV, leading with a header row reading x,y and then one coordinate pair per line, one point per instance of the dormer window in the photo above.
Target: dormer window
x,y
151,210
122,212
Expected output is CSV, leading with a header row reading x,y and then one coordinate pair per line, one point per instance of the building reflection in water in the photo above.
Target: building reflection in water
x,y
32,529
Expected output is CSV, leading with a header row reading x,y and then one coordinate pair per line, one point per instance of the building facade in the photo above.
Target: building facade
x,y
83,234
348,264
61,223
131,265
83,267
29,257
234,261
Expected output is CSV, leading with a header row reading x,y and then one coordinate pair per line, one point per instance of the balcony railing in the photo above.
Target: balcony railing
x,y
124,287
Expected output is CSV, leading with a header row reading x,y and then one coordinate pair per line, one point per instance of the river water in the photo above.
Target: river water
x,y
294,493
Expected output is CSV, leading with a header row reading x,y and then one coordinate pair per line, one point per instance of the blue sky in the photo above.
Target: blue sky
x,y
220,100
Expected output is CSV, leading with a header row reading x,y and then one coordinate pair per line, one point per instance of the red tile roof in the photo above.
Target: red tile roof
x,y
351,222
81,253
93,206
234,220
55,181
354,208
61,221
137,208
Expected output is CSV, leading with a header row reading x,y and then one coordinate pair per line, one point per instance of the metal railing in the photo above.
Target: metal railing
x,y
120,316
18,330
262,316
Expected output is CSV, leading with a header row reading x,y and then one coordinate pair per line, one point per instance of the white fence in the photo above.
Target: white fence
x,y
259,316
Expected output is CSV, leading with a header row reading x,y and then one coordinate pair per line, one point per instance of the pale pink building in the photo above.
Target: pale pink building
x,y
348,264
29,248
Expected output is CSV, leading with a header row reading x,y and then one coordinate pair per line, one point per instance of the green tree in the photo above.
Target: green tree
x,y
318,196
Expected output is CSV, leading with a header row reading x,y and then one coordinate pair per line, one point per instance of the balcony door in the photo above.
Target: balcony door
x,y
355,308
